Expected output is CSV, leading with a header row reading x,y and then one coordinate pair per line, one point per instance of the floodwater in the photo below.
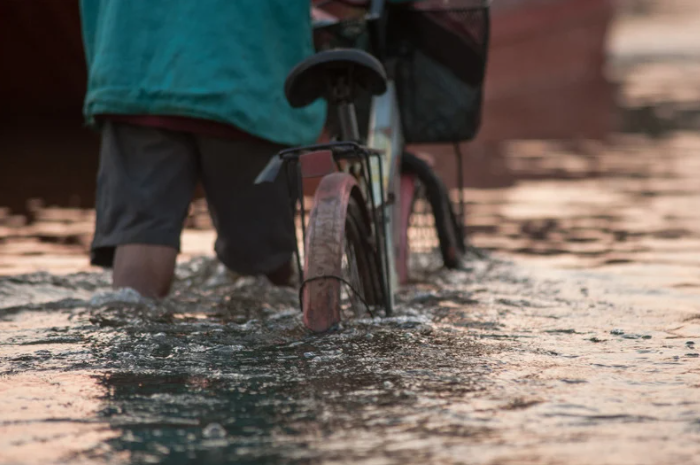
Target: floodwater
x,y
497,363
574,339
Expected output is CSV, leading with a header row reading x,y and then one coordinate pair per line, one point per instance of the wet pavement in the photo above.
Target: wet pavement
x,y
574,340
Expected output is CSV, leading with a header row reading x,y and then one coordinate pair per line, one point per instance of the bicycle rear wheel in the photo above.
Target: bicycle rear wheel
x,y
423,193
342,272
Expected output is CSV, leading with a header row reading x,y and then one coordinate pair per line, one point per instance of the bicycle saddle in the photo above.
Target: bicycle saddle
x,y
317,76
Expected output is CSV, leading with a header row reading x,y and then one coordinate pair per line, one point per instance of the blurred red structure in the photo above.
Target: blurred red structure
x,y
546,71
545,81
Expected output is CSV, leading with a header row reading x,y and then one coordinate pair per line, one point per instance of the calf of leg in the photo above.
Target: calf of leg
x,y
146,268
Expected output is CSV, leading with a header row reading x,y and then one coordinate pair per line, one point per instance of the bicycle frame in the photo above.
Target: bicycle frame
x,y
385,136
379,163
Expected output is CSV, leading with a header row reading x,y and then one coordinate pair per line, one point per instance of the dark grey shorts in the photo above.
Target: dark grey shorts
x,y
146,181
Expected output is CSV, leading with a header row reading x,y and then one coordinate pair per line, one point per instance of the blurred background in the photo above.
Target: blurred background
x,y
588,156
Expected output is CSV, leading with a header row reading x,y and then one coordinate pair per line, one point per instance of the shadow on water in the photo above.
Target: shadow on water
x,y
173,419
268,407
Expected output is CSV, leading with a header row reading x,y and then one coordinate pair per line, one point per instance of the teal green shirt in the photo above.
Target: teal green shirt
x,y
222,60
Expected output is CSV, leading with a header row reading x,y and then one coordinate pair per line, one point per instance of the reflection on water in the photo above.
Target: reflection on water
x,y
635,206
49,412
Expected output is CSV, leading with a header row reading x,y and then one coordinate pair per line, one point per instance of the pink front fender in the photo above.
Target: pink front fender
x,y
324,250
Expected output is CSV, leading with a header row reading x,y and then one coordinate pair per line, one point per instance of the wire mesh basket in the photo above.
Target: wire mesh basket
x,y
440,51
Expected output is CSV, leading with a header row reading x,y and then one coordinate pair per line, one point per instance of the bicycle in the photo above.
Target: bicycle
x,y
356,241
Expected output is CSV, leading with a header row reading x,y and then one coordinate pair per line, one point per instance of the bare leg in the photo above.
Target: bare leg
x,y
146,268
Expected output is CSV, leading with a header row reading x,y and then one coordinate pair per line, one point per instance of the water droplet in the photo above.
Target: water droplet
x,y
214,431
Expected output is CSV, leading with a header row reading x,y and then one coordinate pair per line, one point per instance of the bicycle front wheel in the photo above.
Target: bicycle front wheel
x,y
424,195
342,272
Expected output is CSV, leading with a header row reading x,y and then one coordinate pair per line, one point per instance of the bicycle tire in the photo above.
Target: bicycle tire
x,y
449,232
337,223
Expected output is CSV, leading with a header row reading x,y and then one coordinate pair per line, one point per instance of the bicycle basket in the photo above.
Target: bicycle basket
x,y
440,50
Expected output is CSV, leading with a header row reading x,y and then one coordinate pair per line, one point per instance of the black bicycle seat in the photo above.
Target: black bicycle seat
x,y
314,77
